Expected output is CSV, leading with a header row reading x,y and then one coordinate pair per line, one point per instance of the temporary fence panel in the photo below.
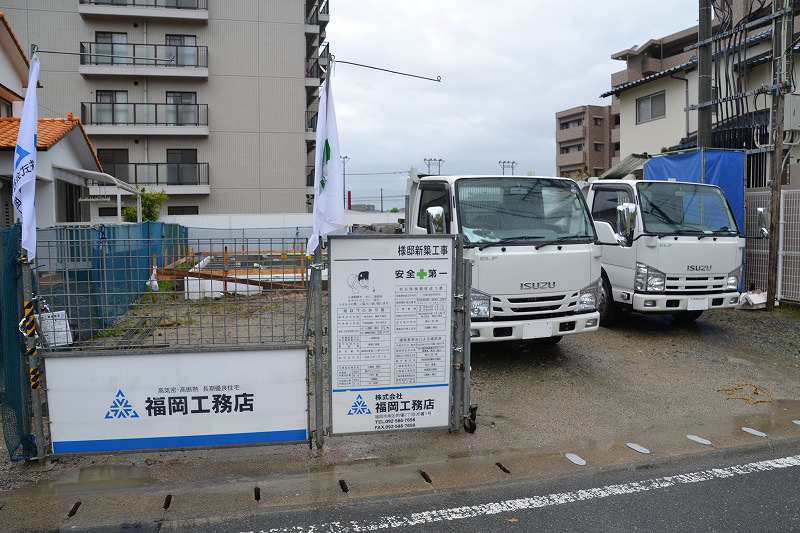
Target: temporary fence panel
x,y
103,403
391,322
14,387
790,246
136,292
756,250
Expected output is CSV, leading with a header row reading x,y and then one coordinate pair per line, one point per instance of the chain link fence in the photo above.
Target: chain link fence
x,y
162,287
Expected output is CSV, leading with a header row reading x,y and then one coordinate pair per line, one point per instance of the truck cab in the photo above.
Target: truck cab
x,y
679,253
536,264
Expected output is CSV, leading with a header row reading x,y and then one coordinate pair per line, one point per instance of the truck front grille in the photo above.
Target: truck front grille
x,y
533,307
695,284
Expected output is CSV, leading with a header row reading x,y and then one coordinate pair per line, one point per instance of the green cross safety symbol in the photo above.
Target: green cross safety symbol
x,y
422,273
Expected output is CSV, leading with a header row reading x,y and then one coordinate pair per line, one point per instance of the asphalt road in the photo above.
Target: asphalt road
x,y
756,490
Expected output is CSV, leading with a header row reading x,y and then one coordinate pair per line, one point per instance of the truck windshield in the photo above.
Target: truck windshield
x,y
522,211
685,208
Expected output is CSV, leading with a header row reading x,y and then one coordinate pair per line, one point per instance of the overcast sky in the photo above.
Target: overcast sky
x,y
507,67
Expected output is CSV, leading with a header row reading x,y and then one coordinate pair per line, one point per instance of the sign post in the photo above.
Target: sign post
x,y
391,309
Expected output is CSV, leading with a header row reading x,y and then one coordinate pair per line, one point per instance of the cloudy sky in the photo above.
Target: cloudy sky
x,y
507,66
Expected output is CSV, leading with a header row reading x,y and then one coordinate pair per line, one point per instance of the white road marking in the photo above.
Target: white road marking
x,y
796,422
755,432
535,502
577,459
701,440
636,447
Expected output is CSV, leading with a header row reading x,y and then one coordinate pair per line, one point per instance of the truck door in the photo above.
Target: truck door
x,y
433,194
618,261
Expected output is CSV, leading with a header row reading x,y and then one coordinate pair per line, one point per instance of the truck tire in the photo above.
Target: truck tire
x,y
609,311
686,316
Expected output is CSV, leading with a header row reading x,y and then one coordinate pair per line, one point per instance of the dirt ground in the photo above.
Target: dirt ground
x,y
647,380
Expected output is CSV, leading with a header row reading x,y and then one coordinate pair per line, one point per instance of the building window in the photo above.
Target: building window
x,y
572,149
114,162
598,171
598,147
111,107
598,121
650,107
107,211
574,123
616,147
110,45
5,109
184,48
182,167
181,109
182,210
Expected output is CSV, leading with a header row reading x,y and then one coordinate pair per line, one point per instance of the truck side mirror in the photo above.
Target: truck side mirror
x,y
626,221
605,233
763,222
434,220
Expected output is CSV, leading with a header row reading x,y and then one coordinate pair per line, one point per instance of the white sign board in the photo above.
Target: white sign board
x,y
154,401
391,317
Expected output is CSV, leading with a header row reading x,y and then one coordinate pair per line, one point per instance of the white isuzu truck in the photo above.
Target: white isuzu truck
x,y
534,247
679,250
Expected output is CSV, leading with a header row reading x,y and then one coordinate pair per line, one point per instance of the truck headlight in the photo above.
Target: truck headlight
x,y
480,304
587,298
732,281
648,279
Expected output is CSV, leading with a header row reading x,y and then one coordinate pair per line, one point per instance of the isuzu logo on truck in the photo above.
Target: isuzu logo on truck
x,y
534,285
698,268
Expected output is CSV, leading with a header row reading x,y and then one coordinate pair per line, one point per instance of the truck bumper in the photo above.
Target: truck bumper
x,y
671,303
533,329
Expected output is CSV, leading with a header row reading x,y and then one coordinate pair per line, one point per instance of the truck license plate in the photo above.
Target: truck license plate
x,y
697,303
537,330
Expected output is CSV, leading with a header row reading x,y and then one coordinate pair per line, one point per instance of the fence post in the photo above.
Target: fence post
x,y
468,412
319,385
460,307
32,356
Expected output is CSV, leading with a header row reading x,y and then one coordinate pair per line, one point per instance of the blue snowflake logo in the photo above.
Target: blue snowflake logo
x,y
359,407
121,408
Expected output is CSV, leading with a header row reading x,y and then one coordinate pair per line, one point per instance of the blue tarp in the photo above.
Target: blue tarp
x,y
723,168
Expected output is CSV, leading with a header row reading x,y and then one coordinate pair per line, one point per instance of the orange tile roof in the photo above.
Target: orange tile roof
x,y
49,132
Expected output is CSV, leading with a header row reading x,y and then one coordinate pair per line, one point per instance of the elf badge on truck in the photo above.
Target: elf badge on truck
x,y
533,244
679,250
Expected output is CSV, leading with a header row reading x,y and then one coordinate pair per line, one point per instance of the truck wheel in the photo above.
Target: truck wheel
x,y
686,316
609,311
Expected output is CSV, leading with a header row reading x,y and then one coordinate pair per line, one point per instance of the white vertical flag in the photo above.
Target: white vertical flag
x,y
24,181
328,179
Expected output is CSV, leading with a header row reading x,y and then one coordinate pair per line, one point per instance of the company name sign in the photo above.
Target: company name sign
x,y
138,402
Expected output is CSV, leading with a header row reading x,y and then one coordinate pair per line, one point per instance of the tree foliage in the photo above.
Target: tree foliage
x,y
151,206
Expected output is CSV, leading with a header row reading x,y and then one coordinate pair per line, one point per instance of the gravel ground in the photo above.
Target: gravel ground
x,y
644,379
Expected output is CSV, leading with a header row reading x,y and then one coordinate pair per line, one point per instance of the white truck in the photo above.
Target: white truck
x,y
679,249
534,247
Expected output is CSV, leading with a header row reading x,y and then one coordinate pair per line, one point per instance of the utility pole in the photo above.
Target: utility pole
x,y
344,159
781,35
507,164
431,162
704,139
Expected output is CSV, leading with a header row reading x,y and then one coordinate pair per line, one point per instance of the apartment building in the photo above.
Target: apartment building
x,y
658,90
212,101
585,141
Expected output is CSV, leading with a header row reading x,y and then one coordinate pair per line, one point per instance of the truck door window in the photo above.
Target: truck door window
x,y
604,207
434,197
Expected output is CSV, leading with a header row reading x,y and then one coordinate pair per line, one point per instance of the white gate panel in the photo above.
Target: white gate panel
x,y
757,250
154,401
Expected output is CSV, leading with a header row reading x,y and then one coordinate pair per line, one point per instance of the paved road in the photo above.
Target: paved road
x,y
752,491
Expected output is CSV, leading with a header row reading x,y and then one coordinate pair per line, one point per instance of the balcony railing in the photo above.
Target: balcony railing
x,y
151,55
311,120
141,114
148,174
169,4
313,70
322,10
309,175
324,52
